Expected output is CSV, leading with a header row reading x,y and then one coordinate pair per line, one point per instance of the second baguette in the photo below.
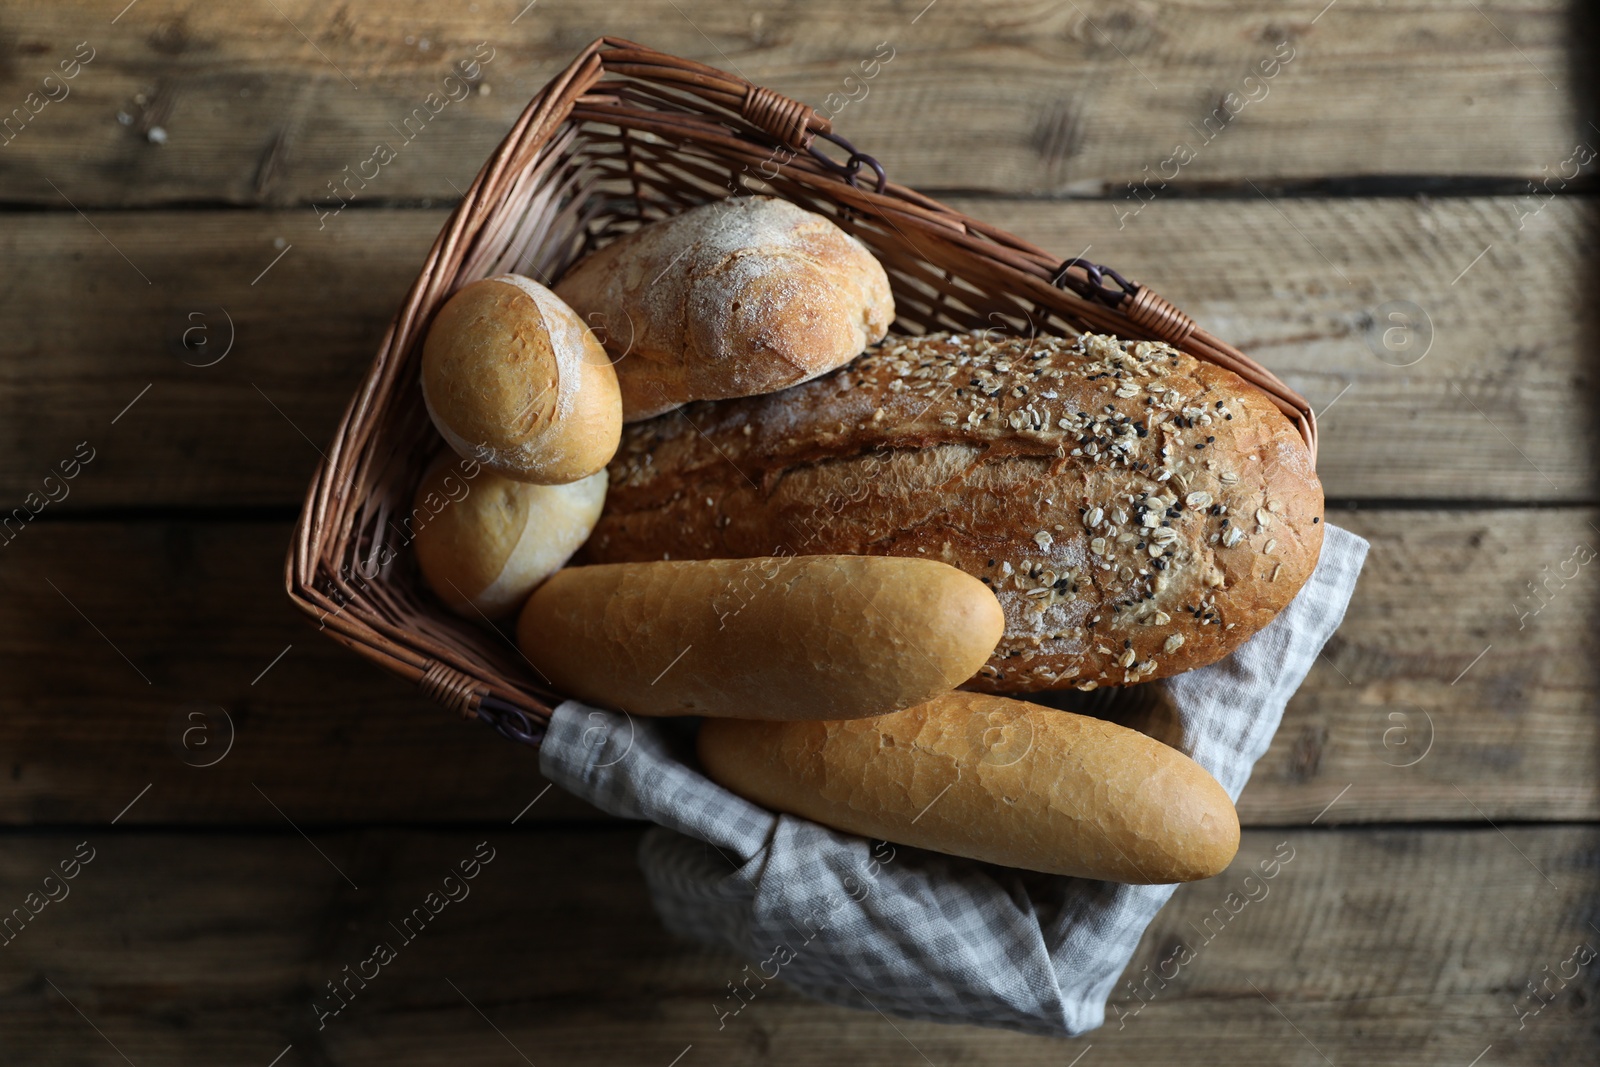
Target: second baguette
x,y
991,779
798,637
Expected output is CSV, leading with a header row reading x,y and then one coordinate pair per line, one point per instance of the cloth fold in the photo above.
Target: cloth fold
x,y
911,933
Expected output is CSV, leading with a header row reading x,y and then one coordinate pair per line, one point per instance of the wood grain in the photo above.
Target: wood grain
x,y
116,631
1433,373
184,948
257,102
1467,651
1498,409
159,654
169,200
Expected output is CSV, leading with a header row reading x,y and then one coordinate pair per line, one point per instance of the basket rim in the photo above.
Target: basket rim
x,y
748,120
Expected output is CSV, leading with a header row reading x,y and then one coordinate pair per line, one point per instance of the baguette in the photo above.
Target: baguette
x,y
736,297
1136,511
990,779
513,379
810,637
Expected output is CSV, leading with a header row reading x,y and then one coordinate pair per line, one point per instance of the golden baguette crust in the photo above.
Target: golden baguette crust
x,y
1136,511
990,779
809,637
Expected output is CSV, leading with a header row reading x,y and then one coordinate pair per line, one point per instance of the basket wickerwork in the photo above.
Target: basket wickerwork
x,y
626,135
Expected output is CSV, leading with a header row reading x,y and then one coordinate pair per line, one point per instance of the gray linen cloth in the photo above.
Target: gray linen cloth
x,y
912,933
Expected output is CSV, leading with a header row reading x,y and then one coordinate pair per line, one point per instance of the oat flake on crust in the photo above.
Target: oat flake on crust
x,y
1137,512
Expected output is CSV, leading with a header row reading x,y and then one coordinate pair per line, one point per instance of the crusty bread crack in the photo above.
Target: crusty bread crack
x,y
736,297
1136,511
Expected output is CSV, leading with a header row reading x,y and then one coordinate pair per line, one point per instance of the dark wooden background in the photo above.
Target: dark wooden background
x,y
1436,776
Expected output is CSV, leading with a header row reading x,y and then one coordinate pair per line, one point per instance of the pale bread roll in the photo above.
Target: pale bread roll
x,y
990,779
799,637
737,297
488,541
514,379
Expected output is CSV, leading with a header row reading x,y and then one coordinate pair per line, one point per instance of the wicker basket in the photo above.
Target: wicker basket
x,y
624,135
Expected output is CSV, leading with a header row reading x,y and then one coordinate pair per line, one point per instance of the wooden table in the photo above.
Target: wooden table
x,y
1394,220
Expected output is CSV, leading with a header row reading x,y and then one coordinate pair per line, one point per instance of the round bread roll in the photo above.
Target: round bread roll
x,y
779,637
991,779
741,296
514,379
486,542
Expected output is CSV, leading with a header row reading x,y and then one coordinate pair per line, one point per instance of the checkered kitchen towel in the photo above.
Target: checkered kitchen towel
x,y
908,932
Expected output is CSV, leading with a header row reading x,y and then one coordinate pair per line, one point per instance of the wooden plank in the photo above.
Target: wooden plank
x,y
1410,715
1432,376
257,102
1373,947
237,363
159,654
1498,409
1464,670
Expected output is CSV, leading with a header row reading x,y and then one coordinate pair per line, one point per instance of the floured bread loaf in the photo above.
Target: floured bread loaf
x,y
733,298
1136,511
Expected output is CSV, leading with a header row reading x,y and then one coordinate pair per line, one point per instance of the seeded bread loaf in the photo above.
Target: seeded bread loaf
x,y
1136,511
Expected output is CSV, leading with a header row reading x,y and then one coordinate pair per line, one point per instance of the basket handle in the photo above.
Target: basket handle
x,y
797,126
1143,306
785,118
788,121
1153,313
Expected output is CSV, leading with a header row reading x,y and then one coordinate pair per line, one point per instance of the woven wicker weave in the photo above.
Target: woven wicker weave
x,y
626,134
